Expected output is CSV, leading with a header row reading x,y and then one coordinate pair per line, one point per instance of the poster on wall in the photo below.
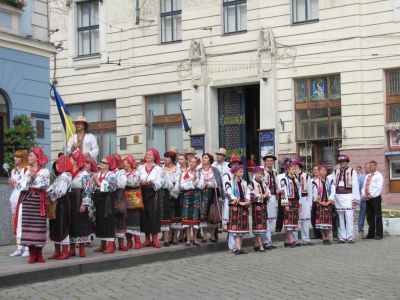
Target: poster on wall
x,y
395,140
266,143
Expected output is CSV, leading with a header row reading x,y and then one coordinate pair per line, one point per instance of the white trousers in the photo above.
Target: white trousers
x,y
345,230
232,243
266,238
305,232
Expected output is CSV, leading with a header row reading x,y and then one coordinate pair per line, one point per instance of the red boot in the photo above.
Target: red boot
x,y
77,245
129,240
39,256
110,248
147,241
82,250
137,241
89,245
155,241
102,247
121,245
57,252
32,255
65,253
72,251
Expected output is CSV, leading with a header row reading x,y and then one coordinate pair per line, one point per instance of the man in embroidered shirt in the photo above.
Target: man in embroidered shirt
x,y
346,194
82,140
372,190
270,179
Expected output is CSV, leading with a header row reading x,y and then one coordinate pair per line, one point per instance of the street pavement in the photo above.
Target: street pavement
x,y
365,270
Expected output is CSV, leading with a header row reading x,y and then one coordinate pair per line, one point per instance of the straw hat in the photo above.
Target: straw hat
x,y
190,150
174,149
81,119
221,151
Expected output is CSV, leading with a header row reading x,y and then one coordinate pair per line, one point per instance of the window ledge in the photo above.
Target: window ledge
x,y
305,22
87,61
11,9
235,32
171,42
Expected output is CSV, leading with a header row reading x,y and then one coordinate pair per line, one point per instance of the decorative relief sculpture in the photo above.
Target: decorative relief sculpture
x,y
266,41
196,51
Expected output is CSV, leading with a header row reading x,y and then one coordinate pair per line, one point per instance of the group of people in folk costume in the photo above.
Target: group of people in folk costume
x,y
118,200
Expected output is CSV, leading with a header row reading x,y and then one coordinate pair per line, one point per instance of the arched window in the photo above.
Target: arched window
x,y
4,117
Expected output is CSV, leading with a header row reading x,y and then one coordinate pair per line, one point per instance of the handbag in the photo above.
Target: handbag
x,y
134,199
214,214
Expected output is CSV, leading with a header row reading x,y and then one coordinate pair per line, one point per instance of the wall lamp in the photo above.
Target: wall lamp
x,y
265,79
195,86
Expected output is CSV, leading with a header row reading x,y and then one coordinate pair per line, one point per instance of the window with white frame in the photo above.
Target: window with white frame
x,y
304,10
235,15
167,122
88,27
171,20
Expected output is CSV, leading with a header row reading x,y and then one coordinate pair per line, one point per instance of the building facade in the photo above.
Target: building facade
x,y
25,67
302,78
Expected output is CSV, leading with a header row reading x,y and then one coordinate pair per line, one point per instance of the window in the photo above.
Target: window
x,y
101,117
393,96
167,122
171,20
318,108
318,120
235,15
304,10
88,27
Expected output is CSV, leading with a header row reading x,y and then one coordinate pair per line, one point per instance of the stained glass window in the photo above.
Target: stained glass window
x,y
334,82
301,90
318,89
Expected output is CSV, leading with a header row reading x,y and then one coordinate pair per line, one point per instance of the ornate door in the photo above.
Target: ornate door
x,y
232,121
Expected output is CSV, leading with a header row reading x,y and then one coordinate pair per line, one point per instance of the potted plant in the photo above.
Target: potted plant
x,y
391,223
16,3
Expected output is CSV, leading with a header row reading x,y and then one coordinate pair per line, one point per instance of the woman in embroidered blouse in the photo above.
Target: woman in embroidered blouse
x,y
59,217
119,203
132,186
91,169
103,198
211,186
80,199
20,162
321,190
176,221
170,190
190,200
259,195
31,208
151,181
236,193
289,190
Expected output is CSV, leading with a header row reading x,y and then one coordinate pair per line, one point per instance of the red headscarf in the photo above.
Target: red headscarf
x,y
64,164
118,160
79,158
111,162
92,163
131,160
157,158
41,157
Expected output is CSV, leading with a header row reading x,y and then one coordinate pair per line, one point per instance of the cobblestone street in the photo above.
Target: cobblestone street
x,y
366,270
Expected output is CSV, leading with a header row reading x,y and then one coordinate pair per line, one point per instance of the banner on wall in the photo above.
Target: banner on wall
x,y
394,140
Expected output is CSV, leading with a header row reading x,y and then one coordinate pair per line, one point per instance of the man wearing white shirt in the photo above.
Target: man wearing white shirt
x,y
372,190
82,140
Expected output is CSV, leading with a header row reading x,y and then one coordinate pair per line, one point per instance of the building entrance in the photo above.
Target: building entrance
x,y
239,120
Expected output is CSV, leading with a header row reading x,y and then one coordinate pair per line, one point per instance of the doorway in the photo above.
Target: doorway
x,y
239,120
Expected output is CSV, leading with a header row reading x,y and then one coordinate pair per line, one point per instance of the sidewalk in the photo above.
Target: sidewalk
x,y
16,270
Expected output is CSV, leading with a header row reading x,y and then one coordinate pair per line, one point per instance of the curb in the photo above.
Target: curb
x,y
107,263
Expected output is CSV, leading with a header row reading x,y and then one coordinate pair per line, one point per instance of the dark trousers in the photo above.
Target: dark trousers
x,y
279,218
317,233
374,217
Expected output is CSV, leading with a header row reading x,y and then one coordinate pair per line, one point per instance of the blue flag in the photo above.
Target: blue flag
x,y
69,126
184,121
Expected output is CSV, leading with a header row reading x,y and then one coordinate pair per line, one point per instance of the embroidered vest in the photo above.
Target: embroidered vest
x,y
259,187
270,181
303,178
292,188
347,178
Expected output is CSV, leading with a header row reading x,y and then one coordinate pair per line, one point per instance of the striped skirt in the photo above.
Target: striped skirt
x,y
291,217
190,200
33,224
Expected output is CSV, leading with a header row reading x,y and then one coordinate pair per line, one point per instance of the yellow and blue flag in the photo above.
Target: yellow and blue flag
x,y
69,126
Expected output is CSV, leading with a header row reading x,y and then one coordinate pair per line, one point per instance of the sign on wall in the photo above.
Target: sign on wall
x,y
394,140
266,142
